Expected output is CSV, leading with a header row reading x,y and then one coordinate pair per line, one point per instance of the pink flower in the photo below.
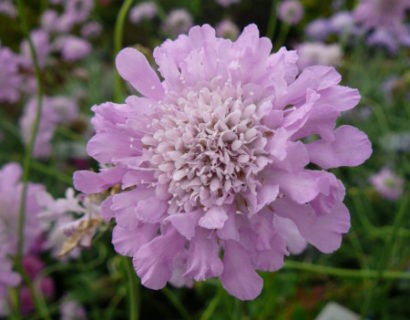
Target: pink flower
x,y
54,111
41,42
71,310
10,191
227,3
10,80
178,21
389,185
313,53
73,48
8,278
213,159
143,10
227,29
91,30
381,13
7,8
290,11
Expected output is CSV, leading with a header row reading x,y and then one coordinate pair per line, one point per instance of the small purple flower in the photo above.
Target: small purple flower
x,y
41,42
381,13
178,21
10,79
73,48
54,111
49,20
10,192
143,10
313,53
342,23
290,11
389,185
227,29
79,9
91,30
7,8
318,29
72,310
227,3
213,158
8,278
383,38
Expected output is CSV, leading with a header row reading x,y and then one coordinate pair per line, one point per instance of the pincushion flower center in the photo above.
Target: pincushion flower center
x,y
206,147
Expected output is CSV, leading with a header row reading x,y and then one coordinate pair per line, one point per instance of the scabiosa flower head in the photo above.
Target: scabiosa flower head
x,y
381,13
388,184
290,11
73,48
227,29
178,21
54,111
318,29
10,80
212,160
312,53
143,10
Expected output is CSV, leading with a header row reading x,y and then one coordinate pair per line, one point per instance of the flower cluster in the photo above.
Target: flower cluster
x,y
55,111
211,162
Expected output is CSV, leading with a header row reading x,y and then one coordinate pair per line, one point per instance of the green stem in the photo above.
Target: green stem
x,y
132,290
38,301
118,34
387,254
177,304
209,311
270,30
284,30
347,273
29,150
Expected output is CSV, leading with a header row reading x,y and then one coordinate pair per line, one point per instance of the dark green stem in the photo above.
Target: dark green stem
x,y
132,290
270,31
118,34
29,149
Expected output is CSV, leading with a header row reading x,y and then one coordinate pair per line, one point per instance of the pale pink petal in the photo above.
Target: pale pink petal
x,y
134,67
239,277
351,147
214,218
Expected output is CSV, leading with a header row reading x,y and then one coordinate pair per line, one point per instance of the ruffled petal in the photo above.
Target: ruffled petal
x,y
134,67
351,147
239,277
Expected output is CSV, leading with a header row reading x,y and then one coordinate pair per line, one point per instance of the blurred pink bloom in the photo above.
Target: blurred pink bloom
x,y
389,185
290,11
10,79
318,29
60,213
178,21
79,10
227,29
213,157
8,278
7,7
342,23
72,310
381,13
41,42
313,53
143,10
227,3
91,30
73,48
49,20
54,111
